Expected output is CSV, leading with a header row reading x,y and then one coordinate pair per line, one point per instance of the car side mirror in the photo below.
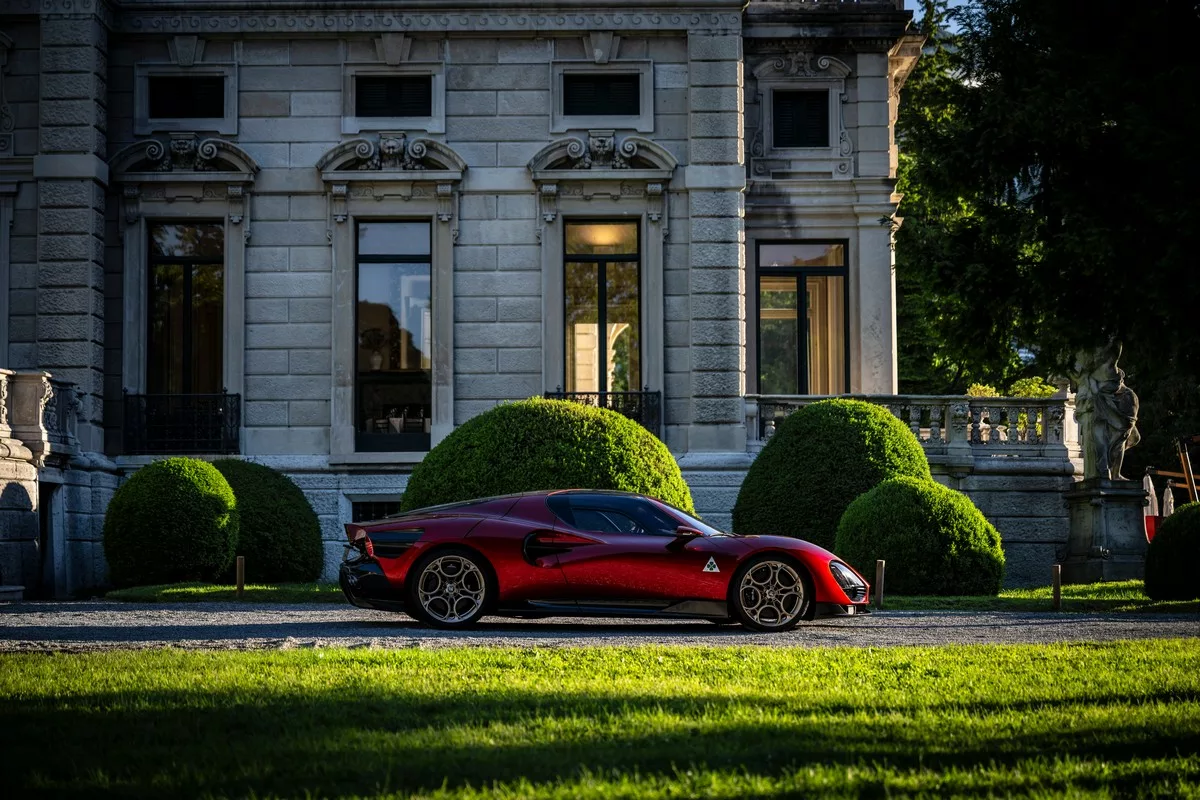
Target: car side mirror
x,y
685,534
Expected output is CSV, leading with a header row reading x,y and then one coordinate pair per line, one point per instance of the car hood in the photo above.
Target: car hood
x,y
790,544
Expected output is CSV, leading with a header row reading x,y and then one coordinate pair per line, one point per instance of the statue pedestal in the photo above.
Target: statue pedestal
x,y
1108,534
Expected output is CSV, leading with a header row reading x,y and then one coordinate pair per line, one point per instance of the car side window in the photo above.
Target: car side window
x,y
606,521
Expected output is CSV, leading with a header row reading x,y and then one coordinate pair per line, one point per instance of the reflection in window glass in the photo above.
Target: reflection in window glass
x,y
185,336
826,334
795,254
394,390
778,335
602,307
802,318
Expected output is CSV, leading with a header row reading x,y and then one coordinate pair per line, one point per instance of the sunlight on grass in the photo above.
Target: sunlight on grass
x,y
1123,596
1072,720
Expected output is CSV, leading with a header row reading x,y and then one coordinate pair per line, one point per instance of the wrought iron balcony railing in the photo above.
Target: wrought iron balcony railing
x,y
643,407
180,424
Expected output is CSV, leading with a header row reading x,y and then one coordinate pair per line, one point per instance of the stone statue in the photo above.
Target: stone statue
x,y
1106,410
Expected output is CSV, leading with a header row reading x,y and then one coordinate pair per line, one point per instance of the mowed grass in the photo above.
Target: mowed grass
x,y
1123,596
212,592
1072,720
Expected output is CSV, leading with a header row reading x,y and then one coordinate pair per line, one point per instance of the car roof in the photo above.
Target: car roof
x,y
462,505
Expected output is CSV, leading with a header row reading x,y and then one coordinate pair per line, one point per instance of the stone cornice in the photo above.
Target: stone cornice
x,y
447,18
101,9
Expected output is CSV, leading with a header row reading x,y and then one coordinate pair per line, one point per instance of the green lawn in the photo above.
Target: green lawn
x,y
1112,596
1079,720
211,592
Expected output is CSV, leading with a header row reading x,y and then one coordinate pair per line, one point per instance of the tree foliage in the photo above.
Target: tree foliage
x,y
1050,193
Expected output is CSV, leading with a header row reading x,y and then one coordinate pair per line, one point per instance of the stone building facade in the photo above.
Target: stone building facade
x,y
321,235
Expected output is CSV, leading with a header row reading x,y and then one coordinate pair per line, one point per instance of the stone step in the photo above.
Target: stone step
x,y
12,594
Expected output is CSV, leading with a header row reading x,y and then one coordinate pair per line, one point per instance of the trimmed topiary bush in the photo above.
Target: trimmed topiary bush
x,y
934,539
541,444
171,521
280,534
1173,558
821,458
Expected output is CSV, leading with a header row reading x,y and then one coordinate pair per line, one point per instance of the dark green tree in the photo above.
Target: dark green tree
x,y
1051,192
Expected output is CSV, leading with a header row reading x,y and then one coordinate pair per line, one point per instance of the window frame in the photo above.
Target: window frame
x,y
434,123
151,261
144,124
360,443
829,134
832,122
801,273
601,262
642,122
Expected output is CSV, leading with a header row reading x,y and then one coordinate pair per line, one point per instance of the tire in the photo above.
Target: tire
x,y
450,588
770,593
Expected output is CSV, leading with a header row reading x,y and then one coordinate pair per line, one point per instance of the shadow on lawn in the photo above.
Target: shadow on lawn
x,y
350,741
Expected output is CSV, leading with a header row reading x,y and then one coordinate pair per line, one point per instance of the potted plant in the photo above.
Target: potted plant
x,y
373,339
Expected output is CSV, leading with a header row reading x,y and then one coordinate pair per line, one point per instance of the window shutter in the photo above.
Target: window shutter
x,y
602,95
801,119
186,96
393,96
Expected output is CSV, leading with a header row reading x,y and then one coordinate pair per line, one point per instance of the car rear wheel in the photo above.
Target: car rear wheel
x,y
450,588
770,593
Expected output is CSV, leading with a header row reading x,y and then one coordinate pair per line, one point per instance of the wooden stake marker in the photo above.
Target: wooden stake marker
x,y
879,565
241,575
1056,583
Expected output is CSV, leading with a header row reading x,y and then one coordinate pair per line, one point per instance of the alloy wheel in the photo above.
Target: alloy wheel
x,y
771,594
451,589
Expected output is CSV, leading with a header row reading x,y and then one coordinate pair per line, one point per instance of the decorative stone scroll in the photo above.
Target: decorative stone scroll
x,y
391,152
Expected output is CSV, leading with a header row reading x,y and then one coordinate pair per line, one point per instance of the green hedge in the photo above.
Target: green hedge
x,y
822,457
280,534
934,540
172,521
1173,558
541,444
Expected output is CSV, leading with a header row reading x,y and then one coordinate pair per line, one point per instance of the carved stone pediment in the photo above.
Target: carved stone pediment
x,y
391,152
797,62
602,151
182,153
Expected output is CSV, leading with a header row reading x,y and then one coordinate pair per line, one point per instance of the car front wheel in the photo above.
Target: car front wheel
x,y
450,588
770,594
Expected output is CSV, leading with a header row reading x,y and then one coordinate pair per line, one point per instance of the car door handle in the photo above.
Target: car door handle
x,y
542,544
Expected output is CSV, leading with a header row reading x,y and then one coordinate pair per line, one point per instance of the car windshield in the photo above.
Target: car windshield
x,y
693,522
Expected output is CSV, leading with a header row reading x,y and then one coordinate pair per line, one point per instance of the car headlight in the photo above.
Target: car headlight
x,y
854,586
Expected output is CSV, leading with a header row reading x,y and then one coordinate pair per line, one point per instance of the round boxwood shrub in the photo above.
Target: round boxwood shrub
x,y
934,539
171,521
280,534
1173,558
822,457
539,444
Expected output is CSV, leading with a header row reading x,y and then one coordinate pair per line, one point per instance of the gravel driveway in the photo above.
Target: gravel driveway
x,y
95,625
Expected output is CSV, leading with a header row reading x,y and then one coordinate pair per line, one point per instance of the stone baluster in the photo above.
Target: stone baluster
x,y
914,419
936,413
993,415
1015,436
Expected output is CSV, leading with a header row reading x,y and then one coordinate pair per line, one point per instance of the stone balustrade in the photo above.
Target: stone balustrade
x,y
38,417
949,425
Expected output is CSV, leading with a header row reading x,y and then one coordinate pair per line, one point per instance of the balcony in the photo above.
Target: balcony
x,y
950,425
182,424
644,408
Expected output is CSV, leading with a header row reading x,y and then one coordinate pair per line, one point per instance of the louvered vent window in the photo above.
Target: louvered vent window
x,y
801,119
601,95
393,96
369,510
186,96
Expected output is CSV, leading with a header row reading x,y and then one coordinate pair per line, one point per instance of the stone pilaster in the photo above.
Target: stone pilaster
x,y
71,173
716,181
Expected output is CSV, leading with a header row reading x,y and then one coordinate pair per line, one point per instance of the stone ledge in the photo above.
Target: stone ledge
x,y
12,594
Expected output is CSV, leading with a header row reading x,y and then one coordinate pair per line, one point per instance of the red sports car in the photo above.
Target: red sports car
x,y
587,552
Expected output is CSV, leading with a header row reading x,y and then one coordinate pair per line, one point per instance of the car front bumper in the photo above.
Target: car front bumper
x,y
825,610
